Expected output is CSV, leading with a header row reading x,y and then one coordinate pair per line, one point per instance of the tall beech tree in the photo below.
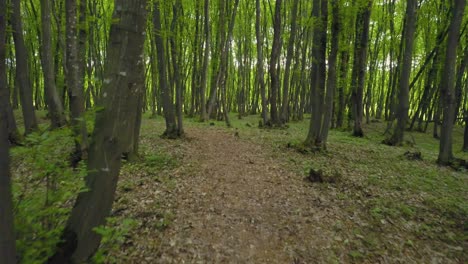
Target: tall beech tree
x,y
260,61
114,123
360,64
274,68
7,239
318,72
447,88
403,94
54,104
289,57
74,85
168,105
23,70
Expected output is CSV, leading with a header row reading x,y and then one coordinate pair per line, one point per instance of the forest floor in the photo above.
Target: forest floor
x,y
240,195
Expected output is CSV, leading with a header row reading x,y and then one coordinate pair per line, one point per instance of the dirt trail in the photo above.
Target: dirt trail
x,y
236,204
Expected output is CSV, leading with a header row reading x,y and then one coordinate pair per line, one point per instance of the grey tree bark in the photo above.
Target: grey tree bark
x,y
74,86
123,82
7,237
168,104
260,62
403,94
359,66
206,61
447,89
274,65
55,106
22,71
287,70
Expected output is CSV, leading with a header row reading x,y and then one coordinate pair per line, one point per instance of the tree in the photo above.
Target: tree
x,y
403,95
54,104
274,65
114,123
7,239
75,91
260,73
168,105
287,70
360,64
321,92
22,71
176,54
447,89
206,60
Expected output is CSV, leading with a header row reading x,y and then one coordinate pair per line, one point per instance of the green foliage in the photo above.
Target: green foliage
x,y
44,188
114,235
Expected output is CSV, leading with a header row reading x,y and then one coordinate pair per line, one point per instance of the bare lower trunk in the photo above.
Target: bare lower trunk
x,y
274,65
7,237
168,105
22,71
359,66
448,85
260,73
54,104
75,91
113,127
403,95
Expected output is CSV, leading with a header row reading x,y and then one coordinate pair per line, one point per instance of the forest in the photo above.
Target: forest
x,y
233,131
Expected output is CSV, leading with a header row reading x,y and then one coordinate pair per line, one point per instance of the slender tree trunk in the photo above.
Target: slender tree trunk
x,y
23,71
340,112
174,41
318,73
54,103
448,84
274,65
14,136
403,95
260,62
7,237
81,41
287,70
75,91
332,78
111,138
359,66
168,105
206,61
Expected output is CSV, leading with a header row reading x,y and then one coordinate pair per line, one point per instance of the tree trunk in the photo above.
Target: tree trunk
x,y
113,126
287,70
54,103
75,91
403,95
223,71
274,65
448,85
318,73
359,66
340,111
260,72
175,53
13,135
22,71
168,105
332,79
7,238
206,61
